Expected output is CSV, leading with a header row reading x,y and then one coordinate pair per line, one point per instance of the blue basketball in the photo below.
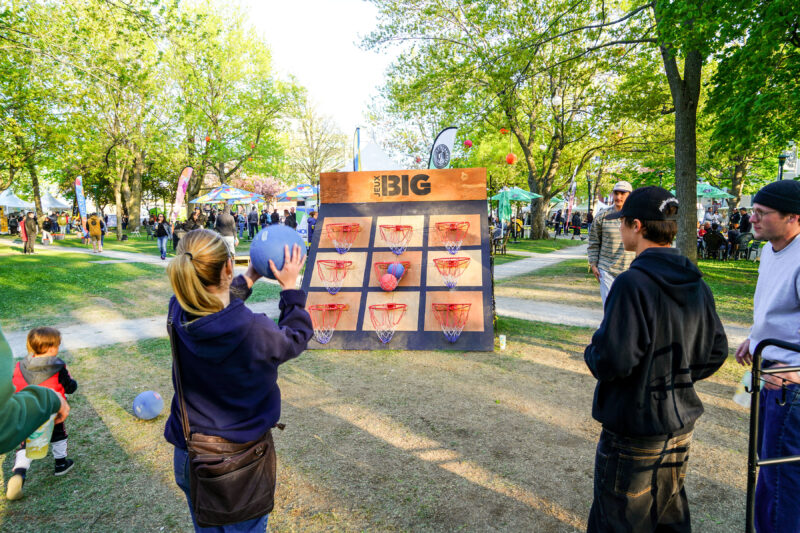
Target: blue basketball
x,y
269,243
396,270
148,405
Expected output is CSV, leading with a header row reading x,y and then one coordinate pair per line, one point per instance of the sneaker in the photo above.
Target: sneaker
x,y
62,467
14,487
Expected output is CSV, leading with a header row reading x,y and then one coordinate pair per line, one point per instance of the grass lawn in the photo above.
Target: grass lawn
x,y
500,259
57,288
141,244
541,246
381,441
733,284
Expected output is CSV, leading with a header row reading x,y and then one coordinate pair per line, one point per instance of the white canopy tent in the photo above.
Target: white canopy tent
x,y
9,199
51,202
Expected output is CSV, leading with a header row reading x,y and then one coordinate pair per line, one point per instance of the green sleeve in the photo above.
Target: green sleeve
x,y
21,413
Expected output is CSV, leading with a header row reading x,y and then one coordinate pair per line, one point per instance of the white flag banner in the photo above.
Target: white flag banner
x,y
442,150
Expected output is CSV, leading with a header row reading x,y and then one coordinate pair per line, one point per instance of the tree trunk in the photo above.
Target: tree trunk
x,y
685,94
737,182
135,202
117,186
6,183
37,196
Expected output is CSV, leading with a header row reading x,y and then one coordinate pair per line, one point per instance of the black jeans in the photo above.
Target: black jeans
x,y
638,484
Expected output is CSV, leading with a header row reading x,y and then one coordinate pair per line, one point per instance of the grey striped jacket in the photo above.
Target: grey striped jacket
x,y
605,245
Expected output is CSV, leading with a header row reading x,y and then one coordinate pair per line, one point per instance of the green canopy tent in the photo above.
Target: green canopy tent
x,y
506,196
706,190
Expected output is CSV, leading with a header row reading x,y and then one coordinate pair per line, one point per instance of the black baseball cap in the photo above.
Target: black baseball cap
x,y
648,203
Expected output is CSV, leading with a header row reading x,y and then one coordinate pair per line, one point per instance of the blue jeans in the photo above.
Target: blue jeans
x,y
162,245
181,467
778,488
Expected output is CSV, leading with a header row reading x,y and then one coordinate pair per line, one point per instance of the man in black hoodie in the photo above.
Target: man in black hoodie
x,y
660,333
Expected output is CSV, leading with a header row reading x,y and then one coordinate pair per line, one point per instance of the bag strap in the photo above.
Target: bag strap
x,y
177,369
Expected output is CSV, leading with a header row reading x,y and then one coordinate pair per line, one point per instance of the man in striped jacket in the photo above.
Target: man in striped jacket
x,y
607,255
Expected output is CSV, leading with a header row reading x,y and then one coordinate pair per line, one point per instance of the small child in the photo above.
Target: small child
x,y
42,367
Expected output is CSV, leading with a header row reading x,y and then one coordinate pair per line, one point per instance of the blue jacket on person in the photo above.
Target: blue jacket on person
x,y
229,365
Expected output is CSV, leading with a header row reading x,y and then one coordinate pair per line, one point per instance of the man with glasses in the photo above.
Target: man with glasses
x,y
776,314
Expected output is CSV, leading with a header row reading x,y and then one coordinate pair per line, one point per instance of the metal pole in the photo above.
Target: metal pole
x,y
753,461
752,451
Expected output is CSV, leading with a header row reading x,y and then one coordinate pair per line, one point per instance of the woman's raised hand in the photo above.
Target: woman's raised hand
x,y
293,262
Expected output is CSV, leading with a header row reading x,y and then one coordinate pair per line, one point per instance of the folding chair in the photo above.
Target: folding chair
x,y
753,461
753,249
742,244
716,245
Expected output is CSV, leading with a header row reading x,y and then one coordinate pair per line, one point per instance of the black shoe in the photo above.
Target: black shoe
x,y
63,466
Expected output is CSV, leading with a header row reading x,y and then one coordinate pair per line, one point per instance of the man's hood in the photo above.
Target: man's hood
x,y
36,370
214,337
670,269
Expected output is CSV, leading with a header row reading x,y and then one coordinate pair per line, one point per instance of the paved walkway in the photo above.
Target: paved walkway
x,y
536,261
571,315
82,336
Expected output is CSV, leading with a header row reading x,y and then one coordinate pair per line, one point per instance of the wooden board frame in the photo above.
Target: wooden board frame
x,y
457,194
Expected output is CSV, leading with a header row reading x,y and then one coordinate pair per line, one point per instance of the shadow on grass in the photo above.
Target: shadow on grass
x,y
107,489
447,442
422,441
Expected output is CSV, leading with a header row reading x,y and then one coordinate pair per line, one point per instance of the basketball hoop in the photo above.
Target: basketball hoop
x,y
451,318
396,237
451,269
343,235
385,318
324,318
452,234
332,273
382,267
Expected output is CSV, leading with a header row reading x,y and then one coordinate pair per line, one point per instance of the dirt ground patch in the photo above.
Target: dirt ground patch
x,y
385,441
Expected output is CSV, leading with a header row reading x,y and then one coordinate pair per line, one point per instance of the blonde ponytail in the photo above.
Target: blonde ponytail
x,y
198,264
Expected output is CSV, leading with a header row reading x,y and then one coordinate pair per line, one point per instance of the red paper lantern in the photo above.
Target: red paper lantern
x,y
252,145
208,138
503,131
511,159
468,143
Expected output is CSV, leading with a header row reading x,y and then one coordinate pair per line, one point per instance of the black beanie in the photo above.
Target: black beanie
x,y
782,195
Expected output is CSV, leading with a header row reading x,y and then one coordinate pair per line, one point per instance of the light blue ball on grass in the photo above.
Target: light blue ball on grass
x,y
269,243
148,405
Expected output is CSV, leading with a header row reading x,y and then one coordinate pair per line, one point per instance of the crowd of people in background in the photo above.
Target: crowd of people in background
x,y
232,226
721,239
49,227
563,222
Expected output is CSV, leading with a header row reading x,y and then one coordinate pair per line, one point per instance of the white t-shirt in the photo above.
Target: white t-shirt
x,y
776,305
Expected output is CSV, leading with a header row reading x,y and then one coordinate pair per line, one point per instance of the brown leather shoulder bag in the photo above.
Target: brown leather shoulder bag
x,y
229,482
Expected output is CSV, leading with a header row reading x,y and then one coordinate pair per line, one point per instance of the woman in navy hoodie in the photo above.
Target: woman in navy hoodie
x,y
229,355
